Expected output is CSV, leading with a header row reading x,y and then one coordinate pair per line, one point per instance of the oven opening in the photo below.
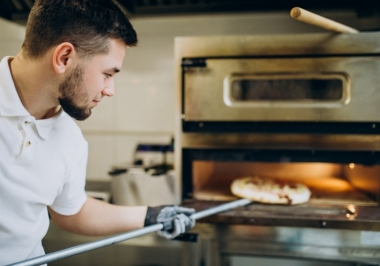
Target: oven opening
x,y
317,89
344,195
330,183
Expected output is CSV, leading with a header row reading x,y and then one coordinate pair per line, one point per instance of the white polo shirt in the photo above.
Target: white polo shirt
x,y
42,163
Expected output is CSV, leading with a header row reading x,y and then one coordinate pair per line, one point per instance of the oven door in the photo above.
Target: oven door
x,y
314,89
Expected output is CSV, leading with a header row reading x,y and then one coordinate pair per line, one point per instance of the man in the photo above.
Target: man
x,y
71,53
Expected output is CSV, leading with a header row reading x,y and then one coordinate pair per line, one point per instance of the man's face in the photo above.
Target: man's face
x,y
86,85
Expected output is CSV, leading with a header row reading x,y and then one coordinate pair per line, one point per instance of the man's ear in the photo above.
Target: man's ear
x,y
64,57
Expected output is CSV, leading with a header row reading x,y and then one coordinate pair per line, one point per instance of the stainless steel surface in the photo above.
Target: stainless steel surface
x,y
215,104
122,237
276,45
355,246
207,90
280,141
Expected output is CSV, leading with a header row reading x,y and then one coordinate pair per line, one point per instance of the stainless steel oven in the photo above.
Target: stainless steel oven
x,y
301,107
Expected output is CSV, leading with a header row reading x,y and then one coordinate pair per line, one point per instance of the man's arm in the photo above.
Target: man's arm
x,y
97,218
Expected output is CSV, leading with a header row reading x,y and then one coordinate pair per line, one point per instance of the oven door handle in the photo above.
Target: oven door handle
x,y
122,237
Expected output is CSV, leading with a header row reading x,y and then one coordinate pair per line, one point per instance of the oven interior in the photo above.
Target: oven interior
x,y
344,185
330,183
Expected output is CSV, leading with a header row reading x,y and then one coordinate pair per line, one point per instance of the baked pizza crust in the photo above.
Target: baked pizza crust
x,y
269,190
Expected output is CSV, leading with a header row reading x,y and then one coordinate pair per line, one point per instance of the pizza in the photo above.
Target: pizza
x,y
270,190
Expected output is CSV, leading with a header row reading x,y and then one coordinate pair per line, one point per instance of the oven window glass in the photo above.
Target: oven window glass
x,y
287,90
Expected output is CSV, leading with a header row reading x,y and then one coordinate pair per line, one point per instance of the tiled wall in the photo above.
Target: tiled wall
x,y
142,109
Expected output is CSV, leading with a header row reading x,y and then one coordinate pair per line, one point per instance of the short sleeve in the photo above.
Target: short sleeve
x,y
73,194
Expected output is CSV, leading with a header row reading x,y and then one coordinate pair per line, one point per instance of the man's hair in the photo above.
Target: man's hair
x,y
87,24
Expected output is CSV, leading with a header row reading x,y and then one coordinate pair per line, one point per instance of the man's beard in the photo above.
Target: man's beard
x,y
72,92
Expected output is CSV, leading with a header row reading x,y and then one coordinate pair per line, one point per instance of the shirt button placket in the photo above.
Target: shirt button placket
x,y
28,149
27,142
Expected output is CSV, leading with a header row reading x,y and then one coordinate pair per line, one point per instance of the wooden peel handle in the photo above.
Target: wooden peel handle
x,y
319,21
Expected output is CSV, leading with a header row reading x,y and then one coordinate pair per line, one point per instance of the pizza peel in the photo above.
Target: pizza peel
x,y
125,236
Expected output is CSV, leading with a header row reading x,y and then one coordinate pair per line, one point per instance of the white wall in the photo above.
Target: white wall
x,y
143,108
11,37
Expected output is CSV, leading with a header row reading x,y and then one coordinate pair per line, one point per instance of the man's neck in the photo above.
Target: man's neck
x,y
33,81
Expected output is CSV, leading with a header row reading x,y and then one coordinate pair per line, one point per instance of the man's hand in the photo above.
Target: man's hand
x,y
176,220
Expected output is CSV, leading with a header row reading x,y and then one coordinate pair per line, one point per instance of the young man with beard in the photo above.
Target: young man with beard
x,y
71,53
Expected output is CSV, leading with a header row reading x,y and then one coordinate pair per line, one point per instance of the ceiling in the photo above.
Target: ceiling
x,y
18,10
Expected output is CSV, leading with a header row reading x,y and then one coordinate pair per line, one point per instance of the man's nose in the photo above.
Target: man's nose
x,y
109,90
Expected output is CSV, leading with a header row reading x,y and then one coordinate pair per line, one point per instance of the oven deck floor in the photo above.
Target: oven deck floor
x,y
312,214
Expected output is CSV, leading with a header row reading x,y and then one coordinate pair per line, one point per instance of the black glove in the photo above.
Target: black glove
x,y
176,220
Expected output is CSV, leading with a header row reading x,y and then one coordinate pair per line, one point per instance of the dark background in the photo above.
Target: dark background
x,y
18,10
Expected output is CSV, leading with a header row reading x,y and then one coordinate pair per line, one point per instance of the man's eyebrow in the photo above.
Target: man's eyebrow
x,y
114,70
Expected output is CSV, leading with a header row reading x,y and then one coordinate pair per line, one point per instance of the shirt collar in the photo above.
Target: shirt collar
x,y
44,126
11,105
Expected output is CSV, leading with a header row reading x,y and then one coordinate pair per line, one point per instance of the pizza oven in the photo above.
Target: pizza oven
x,y
296,107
